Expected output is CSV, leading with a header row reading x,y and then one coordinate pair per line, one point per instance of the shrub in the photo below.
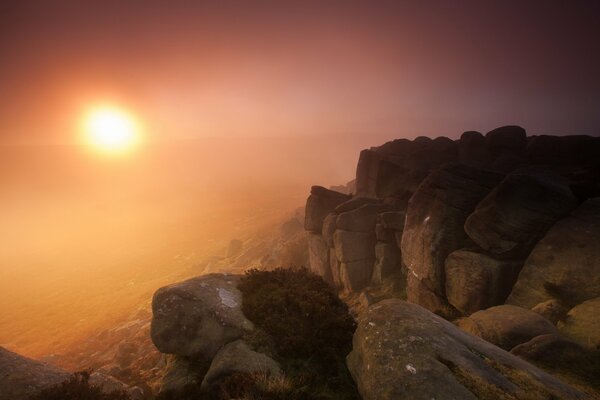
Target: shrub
x,y
78,387
309,328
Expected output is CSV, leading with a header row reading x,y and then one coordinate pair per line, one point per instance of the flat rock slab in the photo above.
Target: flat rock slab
x,y
197,317
402,351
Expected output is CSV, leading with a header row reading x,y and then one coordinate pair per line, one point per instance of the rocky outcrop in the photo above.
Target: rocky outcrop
x,y
403,351
434,223
462,217
506,326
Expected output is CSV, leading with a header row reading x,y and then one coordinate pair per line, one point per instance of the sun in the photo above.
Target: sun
x,y
111,130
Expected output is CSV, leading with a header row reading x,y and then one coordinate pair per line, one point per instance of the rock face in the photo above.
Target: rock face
x,y
510,220
565,264
320,203
238,357
434,222
507,326
195,318
403,351
582,324
475,281
22,377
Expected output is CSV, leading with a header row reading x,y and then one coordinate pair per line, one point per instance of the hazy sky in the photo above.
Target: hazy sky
x,y
198,68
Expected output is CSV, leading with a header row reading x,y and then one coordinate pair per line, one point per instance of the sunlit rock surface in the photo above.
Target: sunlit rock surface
x,y
402,351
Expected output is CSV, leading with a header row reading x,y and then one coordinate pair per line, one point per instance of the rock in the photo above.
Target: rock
x,y
22,377
517,213
235,248
582,324
549,348
318,254
180,373
334,264
418,293
356,275
238,357
434,221
402,351
506,326
563,358
475,281
354,203
506,146
572,150
552,310
361,219
385,235
197,317
396,168
472,150
393,220
565,264
387,257
320,203
329,228
354,246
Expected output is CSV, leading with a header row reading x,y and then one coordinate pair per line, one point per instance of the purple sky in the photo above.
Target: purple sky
x,y
227,68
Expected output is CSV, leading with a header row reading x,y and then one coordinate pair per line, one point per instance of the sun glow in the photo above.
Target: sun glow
x,y
111,130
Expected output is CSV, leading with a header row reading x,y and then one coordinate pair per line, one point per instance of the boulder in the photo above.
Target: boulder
x,y
553,310
582,324
387,256
565,264
549,348
361,219
320,203
354,246
356,275
506,147
472,150
237,357
475,281
506,326
318,255
434,221
402,351
565,359
393,220
22,377
197,317
180,373
329,228
517,213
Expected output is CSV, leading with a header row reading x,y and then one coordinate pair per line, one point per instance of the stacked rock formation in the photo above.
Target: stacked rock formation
x,y
474,223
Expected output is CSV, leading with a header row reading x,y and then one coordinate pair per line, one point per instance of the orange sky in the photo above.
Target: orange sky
x,y
190,68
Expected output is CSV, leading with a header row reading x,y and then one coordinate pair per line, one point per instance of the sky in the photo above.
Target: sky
x,y
306,68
